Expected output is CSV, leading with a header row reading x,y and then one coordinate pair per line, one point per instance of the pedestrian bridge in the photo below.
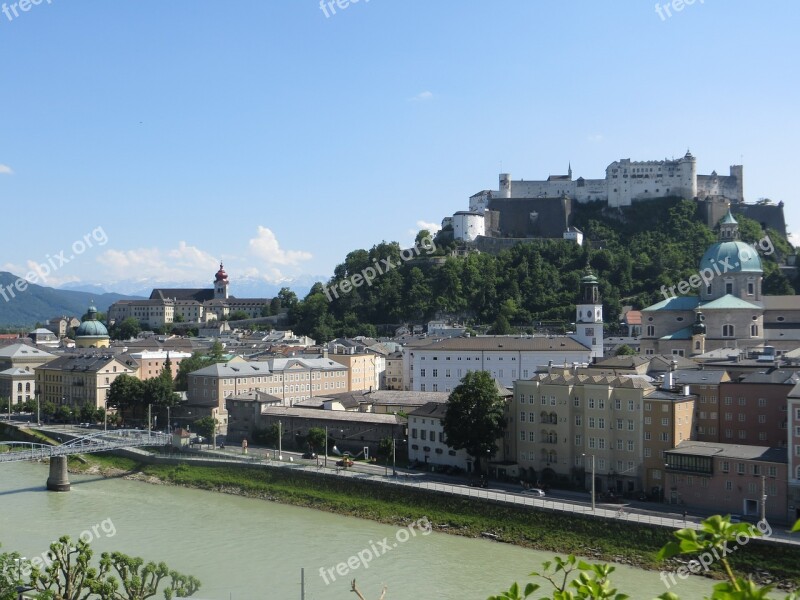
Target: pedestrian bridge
x,y
102,441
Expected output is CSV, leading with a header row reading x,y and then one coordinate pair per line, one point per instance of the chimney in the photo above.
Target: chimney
x,y
668,377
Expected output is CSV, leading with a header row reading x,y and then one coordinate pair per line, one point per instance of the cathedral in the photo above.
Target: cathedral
x,y
730,310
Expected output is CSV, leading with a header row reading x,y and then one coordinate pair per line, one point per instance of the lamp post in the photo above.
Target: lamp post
x,y
37,395
280,440
326,445
593,494
763,499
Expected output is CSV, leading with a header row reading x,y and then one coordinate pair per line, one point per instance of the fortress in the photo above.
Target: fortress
x,y
521,209
626,181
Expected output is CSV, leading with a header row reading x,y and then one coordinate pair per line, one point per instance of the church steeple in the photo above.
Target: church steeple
x,y
589,314
569,171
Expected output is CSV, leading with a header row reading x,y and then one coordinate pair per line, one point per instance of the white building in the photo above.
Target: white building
x,y
426,441
625,181
439,367
468,225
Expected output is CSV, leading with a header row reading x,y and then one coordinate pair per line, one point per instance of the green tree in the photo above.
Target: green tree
x,y
287,297
71,576
48,409
501,326
127,329
87,413
238,315
206,426
474,419
267,436
625,350
63,413
315,438
126,391
385,447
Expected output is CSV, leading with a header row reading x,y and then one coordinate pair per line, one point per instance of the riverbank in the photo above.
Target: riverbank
x,y
596,539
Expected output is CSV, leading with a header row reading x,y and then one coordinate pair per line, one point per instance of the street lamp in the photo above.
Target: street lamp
x,y
37,395
763,499
280,446
593,494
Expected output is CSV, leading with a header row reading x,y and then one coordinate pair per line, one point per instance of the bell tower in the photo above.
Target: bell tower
x,y
589,315
221,284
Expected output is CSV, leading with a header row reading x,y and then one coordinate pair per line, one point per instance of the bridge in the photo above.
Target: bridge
x,y
102,441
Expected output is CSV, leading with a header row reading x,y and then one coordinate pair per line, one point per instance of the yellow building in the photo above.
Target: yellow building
x,y
361,370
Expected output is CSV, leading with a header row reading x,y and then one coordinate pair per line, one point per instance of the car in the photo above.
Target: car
x,y
345,462
310,455
481,483
534,492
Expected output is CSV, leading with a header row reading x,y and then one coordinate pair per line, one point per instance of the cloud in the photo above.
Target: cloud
x,y
794,239
184,263
595,138
432,227
422,96
6,170
265,246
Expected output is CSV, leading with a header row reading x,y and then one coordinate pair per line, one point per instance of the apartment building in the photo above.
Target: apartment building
x,y
793,435
729,478
705,385
562,421
79,377
364,370
753,410
393,376
151,362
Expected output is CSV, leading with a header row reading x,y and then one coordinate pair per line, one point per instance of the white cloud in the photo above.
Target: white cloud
x,y
794,239
432,227
265,246
6,170
422,96
184,263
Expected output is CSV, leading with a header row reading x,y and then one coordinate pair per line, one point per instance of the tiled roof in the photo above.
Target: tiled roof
x,y
507,343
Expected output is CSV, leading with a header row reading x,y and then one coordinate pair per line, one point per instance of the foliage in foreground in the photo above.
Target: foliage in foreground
x,y
66,573
574,579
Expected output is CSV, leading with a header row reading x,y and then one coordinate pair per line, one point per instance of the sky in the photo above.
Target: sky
x,y
151,140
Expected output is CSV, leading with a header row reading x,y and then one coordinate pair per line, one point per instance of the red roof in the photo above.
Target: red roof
x,y
633,317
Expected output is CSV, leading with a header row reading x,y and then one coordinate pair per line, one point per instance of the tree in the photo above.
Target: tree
x,y
385,447
474,419
87,413
267,436
49,409
126,390
287,298
127,329
63,413
501,326
315,438
625,350
238,315
69,575
206,426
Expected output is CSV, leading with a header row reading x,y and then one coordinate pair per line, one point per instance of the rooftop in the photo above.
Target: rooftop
x,y
736,451
508,344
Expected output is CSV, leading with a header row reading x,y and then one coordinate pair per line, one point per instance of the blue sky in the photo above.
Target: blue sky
x,y
277,139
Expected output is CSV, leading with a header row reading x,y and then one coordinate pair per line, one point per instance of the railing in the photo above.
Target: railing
x,y
95,442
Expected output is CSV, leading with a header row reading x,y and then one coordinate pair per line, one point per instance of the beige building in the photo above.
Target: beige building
x,y
17,371
562,421
289,379
393,377
151,362
82,376
793,433
361,368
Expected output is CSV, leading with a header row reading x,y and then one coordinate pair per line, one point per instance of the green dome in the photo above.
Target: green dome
x,y
731,257
91,327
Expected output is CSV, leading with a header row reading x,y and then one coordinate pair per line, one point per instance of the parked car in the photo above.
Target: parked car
x,y
310,455
481,483
534,492
345,462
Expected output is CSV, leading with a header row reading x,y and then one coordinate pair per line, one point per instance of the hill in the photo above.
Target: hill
x,y
39,303
633,251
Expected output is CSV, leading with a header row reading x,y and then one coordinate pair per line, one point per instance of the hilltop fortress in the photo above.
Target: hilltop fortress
x,y
521,209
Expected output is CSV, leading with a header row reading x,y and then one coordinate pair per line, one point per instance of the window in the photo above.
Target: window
x,y
619,445
531,418
422,372
664,436
436,372
761,418
521,436
591,423
729,416
728,486
544,400
728,329
414,434
423,433
762,402
751,288
619,423
522,416
601,404
647,452
647,420
631,446
740,468
531,436
728,400
742,401
646,435
601,423
617,404
578,440
665,422
742,417
591,402
648,406
651,331
576,402
578,420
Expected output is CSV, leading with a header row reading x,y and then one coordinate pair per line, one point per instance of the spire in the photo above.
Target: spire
x,y
569,170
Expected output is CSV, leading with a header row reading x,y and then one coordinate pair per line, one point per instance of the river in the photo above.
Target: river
x,y
246,549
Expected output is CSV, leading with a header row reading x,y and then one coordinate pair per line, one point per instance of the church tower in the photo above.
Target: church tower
x,y
589,315
221,284
698,334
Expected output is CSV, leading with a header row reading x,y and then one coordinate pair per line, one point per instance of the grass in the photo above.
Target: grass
x,y
599,539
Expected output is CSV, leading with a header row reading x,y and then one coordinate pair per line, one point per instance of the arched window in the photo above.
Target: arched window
x,y
543,417
697,345
19,387
728,330
552,457
28,387
553,418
